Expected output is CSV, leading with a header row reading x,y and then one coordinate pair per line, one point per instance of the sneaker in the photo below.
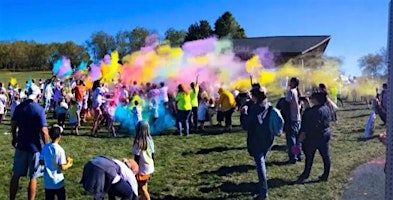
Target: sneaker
x,y
259,197
322,178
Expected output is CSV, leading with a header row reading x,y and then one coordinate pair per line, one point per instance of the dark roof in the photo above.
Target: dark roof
x,y
281,44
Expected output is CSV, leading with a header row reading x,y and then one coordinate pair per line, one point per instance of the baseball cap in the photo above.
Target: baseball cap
x,y
33,92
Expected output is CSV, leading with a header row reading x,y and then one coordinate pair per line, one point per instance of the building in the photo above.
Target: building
x,y
277,50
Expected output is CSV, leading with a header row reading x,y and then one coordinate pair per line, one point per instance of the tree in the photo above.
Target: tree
x,y
372,65
175,37
122,45
199,31
100,44
137,38
227,26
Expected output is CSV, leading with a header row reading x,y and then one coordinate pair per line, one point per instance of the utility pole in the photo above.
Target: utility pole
x,y
389,124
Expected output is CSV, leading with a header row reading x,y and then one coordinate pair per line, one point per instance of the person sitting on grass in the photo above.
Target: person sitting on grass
x,y
143,150
54,160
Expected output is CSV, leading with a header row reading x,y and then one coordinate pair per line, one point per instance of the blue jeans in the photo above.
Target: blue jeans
x,y
291,136
182,119
261,170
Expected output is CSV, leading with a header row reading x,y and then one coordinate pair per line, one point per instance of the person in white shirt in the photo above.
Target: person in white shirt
x,y
137,112
143,150
54,160
3,103
164,94
48,94
104,175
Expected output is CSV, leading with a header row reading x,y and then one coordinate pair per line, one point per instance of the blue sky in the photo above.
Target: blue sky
x,y
357,27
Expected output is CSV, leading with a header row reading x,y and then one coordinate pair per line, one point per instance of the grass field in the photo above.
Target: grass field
x,y
213,165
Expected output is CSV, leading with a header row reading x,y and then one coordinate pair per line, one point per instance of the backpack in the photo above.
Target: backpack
x,y
276,122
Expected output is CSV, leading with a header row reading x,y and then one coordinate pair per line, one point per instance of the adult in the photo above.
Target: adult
x,y
48,94
194,103
315,135
29,134
227,105
79,93
98,100
259,139
183,110
330,103
103,175
164,94
293,125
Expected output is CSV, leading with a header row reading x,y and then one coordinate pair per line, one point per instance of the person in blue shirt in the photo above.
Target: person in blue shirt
x,y
29,134
315,135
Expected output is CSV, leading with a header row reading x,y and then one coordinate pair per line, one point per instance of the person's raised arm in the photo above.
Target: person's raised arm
x,y
196,81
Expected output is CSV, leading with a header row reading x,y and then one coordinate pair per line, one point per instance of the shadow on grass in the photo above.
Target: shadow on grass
x,y
362,139
360,116
224,171
212,150
170,197
279,147
352,109
250,187
277,163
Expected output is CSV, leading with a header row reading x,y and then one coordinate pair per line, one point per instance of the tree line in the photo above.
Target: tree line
x,y
30,55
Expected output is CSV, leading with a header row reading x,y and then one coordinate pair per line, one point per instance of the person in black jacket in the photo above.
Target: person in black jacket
x,y
259,140
315,135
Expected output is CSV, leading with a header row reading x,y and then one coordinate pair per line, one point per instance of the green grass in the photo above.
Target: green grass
x,y
215,165
22,77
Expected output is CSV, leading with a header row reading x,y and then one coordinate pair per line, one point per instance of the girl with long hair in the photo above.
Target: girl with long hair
x,y
143,150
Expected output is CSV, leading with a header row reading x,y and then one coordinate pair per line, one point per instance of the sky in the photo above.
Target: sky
x,y
356,27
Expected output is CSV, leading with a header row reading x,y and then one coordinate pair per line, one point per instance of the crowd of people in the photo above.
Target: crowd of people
x,y
305,121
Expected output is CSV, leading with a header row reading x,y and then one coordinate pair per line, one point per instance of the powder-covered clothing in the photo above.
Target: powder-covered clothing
x,y
146,162
183,101
194,96
164,94
53,156
202,111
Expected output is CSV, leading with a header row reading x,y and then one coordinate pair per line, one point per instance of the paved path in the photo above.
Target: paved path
x,y
367,182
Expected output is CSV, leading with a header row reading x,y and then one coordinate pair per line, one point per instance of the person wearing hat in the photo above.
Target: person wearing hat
x,y
259,141
29,134
315,135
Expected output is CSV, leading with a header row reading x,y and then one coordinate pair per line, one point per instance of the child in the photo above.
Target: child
x,y
3,103
15,102
143,150
202,112
73,117
211,111
154,109
137,112
61,112
111,118
54,160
